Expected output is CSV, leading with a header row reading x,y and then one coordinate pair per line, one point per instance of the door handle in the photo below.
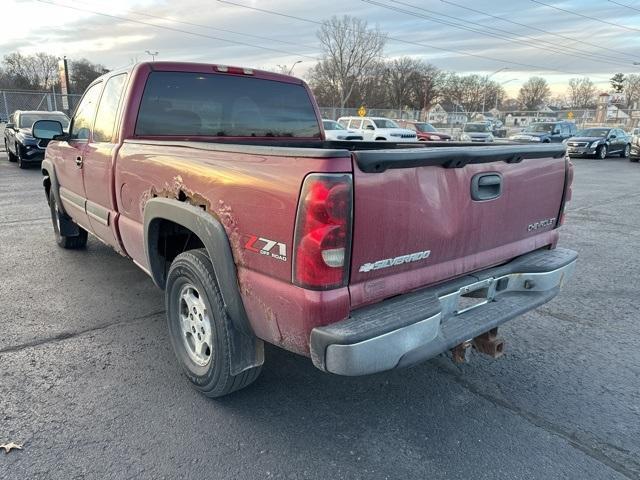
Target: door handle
x,y
486,186
79,162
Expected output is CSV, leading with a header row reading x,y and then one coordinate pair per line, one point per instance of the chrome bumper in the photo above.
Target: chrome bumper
x,y
411,328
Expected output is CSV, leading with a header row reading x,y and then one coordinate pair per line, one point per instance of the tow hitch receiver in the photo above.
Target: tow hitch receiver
x,y
489,343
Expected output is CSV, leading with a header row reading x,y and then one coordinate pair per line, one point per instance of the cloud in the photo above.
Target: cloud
x,y
115,42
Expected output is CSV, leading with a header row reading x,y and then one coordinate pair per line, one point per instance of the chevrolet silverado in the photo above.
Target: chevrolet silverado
x,y
217,181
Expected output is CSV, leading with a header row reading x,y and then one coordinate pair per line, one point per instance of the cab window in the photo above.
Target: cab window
x,y
83,118
355,123
108,108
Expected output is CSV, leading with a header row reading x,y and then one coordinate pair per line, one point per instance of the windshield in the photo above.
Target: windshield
x,y
476,127
425,127
331,125
384,123
593,132
540,128
28,119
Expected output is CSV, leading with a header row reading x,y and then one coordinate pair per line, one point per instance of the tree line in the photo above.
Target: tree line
x,y
40,72
353,71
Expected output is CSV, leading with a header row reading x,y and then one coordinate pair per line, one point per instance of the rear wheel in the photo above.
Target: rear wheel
x,y
627,150
199,327
601,152
57,218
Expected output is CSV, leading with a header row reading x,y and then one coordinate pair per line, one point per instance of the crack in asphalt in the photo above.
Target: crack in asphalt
x,y
77,333
597,452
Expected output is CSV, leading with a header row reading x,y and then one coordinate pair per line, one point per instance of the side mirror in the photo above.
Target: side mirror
x,y
47,129
370,127
10,126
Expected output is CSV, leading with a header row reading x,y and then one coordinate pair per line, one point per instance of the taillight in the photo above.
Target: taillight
x,y
322,241
567,192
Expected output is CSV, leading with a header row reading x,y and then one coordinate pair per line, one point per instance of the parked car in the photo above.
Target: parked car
x,y
498,130
425,132
336,132
599,142
546,132
476,132
378,129
634,151
216,181
19,142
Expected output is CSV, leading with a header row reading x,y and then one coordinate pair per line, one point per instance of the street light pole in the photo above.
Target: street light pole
x,y
291,69
153,55
486,81
502,83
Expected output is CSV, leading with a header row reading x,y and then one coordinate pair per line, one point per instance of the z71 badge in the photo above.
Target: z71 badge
x,y
264,246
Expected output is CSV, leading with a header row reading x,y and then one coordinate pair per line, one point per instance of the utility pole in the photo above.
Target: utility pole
x,y
153,55
486,81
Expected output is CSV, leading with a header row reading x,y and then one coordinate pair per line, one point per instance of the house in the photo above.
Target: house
x,y
447,113
519,118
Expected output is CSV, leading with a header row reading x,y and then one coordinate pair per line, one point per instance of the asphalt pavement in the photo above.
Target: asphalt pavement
x,y
89,384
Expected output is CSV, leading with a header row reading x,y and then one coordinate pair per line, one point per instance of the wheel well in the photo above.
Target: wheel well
x,y
380,138
172,239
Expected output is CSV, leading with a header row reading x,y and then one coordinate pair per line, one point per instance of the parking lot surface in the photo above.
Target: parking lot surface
x,y
89,384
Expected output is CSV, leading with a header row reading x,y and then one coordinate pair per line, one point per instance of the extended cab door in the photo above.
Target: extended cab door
x,y
69,156
99,162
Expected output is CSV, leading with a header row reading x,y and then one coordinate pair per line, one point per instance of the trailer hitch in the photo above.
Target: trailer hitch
x,y
489,343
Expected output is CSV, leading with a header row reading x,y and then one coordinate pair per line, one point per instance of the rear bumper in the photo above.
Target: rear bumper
x,y
414,327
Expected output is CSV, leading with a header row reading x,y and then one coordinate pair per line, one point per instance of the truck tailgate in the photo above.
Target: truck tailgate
x,y
428,215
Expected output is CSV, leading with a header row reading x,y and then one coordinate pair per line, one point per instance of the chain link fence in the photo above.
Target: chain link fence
x,y
514,120
11,100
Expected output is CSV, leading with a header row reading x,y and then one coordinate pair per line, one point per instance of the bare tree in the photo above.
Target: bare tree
x,y
350,49
581,93
632,90
533,93
82,73
403,77
32,71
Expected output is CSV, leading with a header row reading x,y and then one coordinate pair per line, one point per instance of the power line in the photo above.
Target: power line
x,y
554,49
625,5
587,16
188,32
258,37
555,34
409,42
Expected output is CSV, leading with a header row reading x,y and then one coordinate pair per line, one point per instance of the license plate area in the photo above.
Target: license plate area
x,y
474,296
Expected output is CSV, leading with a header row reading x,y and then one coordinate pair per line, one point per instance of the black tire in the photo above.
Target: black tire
x,y
634,159
381,139
10,156
21,163
214,379
627,150
71,243
601,152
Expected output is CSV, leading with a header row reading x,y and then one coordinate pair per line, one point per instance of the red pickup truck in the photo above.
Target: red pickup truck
x,y
218,183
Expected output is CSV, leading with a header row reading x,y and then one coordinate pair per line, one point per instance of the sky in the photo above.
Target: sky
x,y
510,40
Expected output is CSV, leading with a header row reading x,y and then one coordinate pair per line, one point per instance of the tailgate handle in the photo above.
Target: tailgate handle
x,y
486,186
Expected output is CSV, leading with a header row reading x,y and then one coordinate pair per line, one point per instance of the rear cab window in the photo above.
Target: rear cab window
x,y
108,108
83,118
219,105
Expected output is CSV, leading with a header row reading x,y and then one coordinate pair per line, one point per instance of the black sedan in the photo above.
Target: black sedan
x,y
19,144
599,142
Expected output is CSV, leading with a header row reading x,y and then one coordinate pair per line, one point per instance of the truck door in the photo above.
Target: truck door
x,y
69,157
99,163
